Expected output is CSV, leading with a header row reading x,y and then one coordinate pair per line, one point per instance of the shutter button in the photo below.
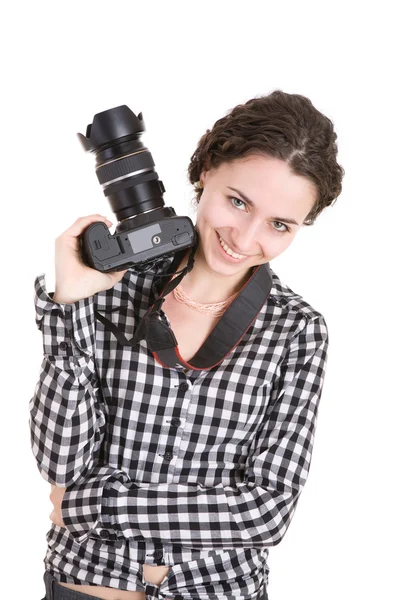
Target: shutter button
x,y
63,345
183,387
175,422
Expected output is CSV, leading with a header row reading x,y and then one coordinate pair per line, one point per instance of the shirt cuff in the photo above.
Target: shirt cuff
x,y
68,329
84,505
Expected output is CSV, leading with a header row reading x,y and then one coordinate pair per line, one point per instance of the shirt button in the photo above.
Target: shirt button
x,y
184,387
158,554
104,534
63,345
168,456
175,422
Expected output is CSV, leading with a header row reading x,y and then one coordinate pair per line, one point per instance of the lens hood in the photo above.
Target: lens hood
x,y
110,127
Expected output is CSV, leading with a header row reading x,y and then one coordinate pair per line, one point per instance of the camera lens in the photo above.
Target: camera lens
x,y
124,166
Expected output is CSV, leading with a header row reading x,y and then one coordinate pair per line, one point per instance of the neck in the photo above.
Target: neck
x,y
203,285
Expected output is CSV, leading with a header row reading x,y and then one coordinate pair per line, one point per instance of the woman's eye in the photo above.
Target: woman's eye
x,y
234,200
238,203
286,228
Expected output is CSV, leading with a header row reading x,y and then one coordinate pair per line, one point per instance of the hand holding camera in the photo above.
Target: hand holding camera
x,y
75,280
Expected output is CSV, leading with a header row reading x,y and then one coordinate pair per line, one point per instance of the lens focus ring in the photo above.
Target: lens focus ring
x,y
124,166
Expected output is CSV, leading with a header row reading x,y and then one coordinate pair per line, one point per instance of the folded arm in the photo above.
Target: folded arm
x,y
255,513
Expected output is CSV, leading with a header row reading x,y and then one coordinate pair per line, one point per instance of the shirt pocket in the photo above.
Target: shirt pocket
x,y
235,572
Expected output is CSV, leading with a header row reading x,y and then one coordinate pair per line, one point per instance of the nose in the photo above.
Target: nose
x,y
245,238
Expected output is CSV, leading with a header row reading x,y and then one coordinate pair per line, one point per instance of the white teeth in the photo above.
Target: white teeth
x,y
228,250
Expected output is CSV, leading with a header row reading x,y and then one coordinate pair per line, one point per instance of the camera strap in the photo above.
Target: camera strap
x,y
225,336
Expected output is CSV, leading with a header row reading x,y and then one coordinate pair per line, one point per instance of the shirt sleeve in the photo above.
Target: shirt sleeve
x,y
255,513
66,411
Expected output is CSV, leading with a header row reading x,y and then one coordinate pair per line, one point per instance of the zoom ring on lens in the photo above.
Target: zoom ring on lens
x,y
124,166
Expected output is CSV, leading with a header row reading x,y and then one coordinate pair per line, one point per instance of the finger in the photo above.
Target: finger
x,y
83,222
118,274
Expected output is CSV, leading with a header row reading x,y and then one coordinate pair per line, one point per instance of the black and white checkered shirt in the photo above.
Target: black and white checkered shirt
x,y
200,471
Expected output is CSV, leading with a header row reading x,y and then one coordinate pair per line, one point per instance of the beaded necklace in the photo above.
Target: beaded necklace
x,y
214,309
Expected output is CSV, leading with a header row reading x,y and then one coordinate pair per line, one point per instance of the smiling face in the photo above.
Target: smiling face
x,y
246,204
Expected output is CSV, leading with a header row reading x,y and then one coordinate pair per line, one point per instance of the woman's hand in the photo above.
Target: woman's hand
x,y
74,279
56,496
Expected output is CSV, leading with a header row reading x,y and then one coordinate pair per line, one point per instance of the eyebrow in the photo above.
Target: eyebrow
x,y
250,203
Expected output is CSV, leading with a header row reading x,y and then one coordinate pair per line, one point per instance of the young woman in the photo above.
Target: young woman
x,y
174,482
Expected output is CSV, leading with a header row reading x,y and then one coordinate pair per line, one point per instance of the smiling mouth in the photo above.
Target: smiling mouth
x,y
229,251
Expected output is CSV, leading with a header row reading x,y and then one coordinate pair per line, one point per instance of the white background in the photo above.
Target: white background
x,y
184,65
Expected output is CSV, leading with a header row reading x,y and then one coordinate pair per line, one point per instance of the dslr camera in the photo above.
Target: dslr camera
x,y
146,229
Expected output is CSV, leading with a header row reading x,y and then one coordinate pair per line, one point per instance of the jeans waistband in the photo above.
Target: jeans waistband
x,y
58,592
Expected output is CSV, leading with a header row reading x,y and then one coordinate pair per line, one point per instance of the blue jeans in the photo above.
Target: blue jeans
x,y
58,592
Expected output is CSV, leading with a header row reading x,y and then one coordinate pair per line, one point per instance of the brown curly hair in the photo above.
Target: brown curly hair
x,y
280,125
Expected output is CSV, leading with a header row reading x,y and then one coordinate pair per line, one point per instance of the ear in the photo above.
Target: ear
x,y
203,178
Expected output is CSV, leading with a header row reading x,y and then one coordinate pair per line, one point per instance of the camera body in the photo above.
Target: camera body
x,y
135,245
146,229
